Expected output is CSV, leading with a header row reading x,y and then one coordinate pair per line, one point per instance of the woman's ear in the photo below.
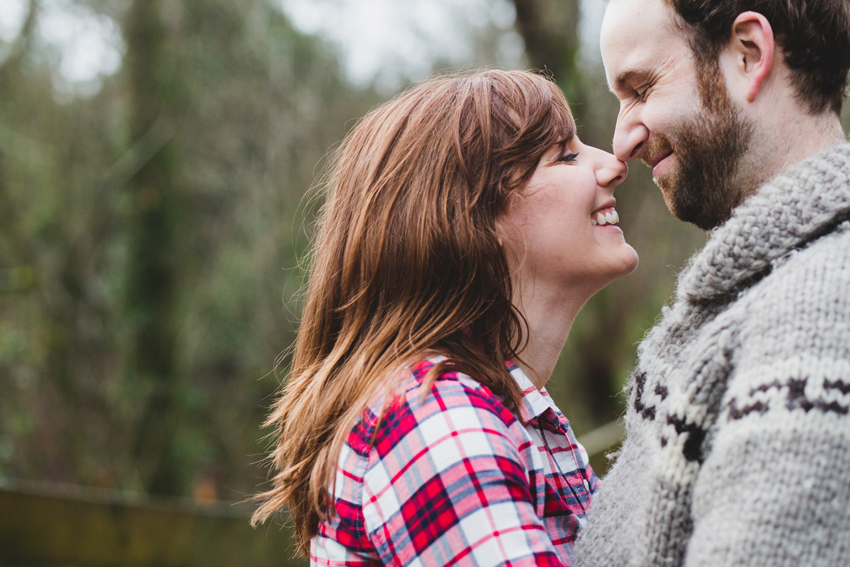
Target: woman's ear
x,y
505,231
500,233
753,47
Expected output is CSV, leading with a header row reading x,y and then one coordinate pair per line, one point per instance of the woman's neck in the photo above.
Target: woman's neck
x,y
550,315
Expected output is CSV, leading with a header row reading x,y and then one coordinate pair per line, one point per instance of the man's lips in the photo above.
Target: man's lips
x,y
657,159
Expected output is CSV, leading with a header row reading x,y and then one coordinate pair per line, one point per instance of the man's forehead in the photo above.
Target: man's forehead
x,y
630,12
635,35
634,23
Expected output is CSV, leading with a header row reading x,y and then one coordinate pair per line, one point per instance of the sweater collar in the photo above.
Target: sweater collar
x,y
784,214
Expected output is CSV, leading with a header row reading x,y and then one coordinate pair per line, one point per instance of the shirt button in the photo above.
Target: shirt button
x,y
587,485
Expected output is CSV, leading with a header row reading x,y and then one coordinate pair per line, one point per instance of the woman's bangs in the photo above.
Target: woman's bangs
x,y
561,125
548,120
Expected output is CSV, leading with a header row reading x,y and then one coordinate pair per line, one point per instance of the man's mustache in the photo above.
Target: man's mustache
x,y
656,147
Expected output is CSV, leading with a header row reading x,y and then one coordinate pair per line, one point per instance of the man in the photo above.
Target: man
x,y
738,422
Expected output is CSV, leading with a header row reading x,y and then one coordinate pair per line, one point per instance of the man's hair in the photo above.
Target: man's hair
x,y
407,260
813,35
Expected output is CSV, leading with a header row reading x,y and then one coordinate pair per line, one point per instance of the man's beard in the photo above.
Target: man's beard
x,y
702,188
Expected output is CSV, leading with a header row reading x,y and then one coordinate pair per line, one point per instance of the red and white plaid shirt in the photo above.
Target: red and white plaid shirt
x,y
455,479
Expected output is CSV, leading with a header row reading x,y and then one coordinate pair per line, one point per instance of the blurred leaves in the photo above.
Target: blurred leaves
x,y
160,219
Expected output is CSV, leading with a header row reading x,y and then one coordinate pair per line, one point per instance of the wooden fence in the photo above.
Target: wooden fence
x,y
44,524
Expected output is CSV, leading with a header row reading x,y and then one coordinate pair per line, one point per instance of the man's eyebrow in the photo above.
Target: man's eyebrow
x,y
627,77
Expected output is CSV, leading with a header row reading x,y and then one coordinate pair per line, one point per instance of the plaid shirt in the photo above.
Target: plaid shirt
x,y
454,479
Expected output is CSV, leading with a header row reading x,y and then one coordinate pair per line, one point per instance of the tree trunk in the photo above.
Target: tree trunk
x,y
152,284
549,29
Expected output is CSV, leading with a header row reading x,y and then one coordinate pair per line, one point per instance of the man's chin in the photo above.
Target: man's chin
x,y
697,213
668,183
686,204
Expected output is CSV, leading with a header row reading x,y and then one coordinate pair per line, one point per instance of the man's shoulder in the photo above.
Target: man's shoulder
x,y
814,279
804,300
794,334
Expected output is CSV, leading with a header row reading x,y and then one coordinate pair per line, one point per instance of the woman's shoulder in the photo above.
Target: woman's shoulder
x,y
412,404
450,390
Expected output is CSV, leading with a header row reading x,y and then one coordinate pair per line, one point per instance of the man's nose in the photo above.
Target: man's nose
x,y
630,138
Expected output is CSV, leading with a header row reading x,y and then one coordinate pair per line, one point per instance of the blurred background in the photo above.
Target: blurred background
x,y
154,158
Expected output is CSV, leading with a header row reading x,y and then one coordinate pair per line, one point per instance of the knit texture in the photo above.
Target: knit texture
x,y
738,434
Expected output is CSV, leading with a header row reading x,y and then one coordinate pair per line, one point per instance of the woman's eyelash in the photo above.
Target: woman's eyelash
x,y
568,157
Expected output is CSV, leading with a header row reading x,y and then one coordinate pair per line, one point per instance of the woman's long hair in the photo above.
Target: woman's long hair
x,y
407,260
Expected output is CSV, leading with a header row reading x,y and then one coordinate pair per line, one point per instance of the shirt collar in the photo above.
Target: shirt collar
x,y
534,402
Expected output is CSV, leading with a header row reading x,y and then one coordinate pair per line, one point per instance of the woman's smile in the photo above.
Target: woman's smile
x,y
606,216
548,237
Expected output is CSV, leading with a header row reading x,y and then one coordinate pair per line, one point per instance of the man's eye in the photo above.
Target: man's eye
x,y
642,94
568,157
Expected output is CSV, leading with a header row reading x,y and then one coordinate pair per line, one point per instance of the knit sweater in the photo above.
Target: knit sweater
x,y
737,447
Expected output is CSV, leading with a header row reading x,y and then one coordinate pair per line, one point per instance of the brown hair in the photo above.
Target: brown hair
x,y
407,259
814,36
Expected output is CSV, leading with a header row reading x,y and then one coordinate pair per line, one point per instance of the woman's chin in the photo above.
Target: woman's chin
x,y
625,263
631,262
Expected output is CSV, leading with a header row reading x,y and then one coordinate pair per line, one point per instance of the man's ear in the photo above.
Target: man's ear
x,y
753,46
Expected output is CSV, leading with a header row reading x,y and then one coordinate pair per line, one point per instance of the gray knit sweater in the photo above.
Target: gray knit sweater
x,y
738,434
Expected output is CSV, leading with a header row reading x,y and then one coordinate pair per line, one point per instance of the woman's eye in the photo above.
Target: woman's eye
x,y
568,157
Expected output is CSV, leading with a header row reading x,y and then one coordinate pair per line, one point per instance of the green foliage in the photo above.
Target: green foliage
x,y
195,157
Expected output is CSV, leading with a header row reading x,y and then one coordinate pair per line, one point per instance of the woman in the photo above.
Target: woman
x,y
464,227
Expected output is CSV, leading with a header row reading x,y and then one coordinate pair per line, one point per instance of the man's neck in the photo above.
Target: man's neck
x,y
784,143
817,133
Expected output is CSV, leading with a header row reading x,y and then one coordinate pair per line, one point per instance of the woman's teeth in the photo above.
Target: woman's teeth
x,y
601,219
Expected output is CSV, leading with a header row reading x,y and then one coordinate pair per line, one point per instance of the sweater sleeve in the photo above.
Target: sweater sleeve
x,y
774,488
447,484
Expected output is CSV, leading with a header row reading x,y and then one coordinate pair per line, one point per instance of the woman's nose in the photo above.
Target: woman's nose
x,y
611,171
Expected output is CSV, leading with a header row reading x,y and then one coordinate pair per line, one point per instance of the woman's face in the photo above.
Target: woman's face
x,y
560,230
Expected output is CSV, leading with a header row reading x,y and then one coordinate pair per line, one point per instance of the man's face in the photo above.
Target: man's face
x,y
675,115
